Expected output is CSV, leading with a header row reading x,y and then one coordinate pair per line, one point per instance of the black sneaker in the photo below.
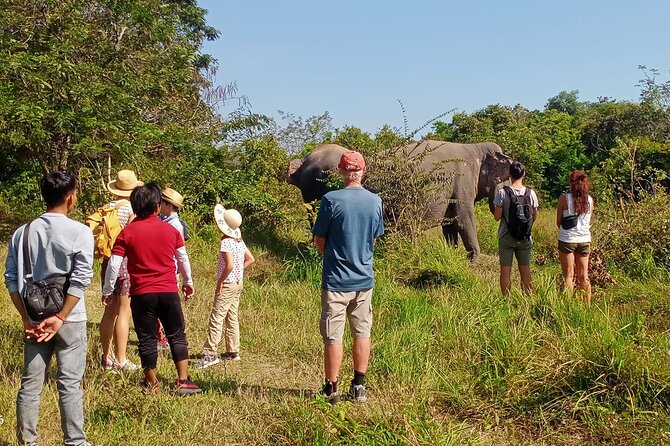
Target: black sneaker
x,y
357,393
333,397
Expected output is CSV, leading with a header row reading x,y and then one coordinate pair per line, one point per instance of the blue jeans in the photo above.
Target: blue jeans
x,y
69,345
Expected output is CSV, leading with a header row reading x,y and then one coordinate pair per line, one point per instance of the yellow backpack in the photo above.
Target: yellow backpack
x,y
105,225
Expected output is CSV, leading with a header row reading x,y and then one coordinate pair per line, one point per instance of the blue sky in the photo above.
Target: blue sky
x,y
355,59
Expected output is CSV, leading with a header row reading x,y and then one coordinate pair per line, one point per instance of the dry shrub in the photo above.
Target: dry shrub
x,y
406,189
599,274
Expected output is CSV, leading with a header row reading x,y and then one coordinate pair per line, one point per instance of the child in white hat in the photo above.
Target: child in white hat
x,y
234,258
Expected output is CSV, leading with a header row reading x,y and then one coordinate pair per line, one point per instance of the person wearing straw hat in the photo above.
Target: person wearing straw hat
x,y
124,183
115,322
234,258
151,245
171,203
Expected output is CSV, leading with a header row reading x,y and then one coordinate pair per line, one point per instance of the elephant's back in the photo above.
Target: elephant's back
x,y
443,156
325,155
435,151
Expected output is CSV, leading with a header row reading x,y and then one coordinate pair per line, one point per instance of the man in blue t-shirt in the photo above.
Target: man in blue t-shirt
x,y
346,228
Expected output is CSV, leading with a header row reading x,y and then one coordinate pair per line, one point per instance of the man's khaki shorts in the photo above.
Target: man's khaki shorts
x,y
581,249
356,305
508,247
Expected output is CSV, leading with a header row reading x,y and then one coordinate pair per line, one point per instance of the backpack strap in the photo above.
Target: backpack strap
x,y
121,203
27,267
508,191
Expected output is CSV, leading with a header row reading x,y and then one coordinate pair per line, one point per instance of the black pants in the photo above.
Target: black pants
x,y
147,310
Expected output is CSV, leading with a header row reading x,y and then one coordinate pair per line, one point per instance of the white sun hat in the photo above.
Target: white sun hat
x,y
228,221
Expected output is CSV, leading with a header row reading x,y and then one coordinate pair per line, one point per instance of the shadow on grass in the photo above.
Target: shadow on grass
x,y
427,278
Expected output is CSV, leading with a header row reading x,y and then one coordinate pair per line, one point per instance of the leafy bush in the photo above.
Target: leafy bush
x,y
635,166
636,237
405,188
20,193
248,177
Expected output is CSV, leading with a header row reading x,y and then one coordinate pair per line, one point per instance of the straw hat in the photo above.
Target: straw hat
x,y
228,221
173,197
124,183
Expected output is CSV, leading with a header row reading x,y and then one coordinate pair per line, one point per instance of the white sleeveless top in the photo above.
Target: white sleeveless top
x,y
580,233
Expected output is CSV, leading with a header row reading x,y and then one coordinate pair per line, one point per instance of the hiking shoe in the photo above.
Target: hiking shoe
x,y
187,387
357,393
207,361
107,363
231,356
150,389
125,366
330,396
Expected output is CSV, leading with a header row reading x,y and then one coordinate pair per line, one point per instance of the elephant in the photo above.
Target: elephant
x,y
481,169
310,174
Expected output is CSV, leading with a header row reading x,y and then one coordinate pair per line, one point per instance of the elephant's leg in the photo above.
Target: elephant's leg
x,y
467,228
450,234
449,225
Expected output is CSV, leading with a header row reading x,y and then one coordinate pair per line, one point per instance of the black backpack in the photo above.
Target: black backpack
x,y
520,216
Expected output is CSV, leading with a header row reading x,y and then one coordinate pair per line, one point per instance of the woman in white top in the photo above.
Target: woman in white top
x,y
115,321
573,218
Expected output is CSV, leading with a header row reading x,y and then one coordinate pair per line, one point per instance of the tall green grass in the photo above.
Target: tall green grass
x,y
453,361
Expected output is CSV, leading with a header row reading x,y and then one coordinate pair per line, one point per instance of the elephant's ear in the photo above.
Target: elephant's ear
x,y
500,165
293,165
501,157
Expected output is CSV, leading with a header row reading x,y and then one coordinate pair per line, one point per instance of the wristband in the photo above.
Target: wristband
x,y
59,317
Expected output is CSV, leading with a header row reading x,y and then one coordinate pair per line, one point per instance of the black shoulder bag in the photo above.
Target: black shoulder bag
x,y
43,298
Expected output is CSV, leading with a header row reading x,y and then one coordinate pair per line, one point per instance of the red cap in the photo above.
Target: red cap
x,y
351,162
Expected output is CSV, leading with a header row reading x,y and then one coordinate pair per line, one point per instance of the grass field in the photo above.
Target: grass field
x,y
453,362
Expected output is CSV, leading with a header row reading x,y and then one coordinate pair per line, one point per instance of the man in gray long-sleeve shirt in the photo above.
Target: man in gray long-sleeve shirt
x,y
57,246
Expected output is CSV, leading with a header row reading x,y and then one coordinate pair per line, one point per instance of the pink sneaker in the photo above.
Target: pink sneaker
x,y
187,387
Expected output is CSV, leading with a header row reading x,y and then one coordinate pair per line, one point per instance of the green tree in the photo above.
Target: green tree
x,y
387,138
565,101
548,142
298,136
81,79
354,138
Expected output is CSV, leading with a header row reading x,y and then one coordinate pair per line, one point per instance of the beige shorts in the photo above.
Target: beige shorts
x,y
355,305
